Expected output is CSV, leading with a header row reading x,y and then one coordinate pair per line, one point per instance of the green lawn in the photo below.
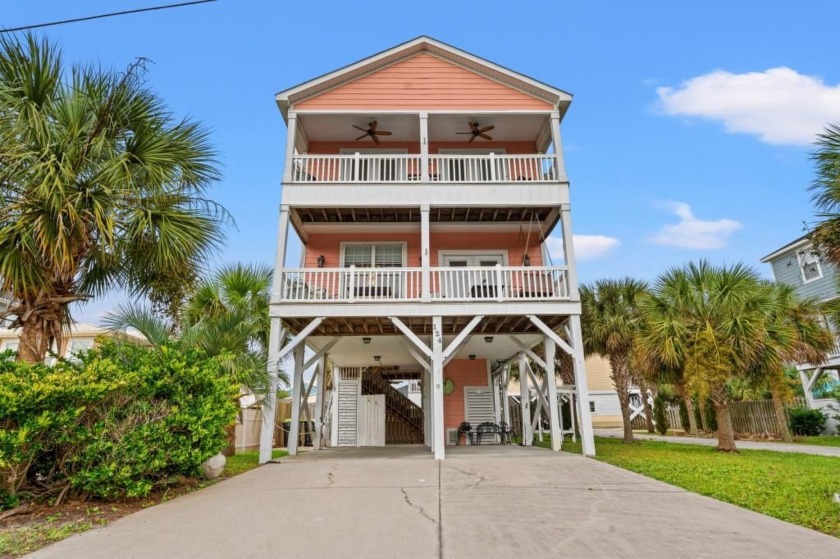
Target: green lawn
x,y
247,461
797,488
824,440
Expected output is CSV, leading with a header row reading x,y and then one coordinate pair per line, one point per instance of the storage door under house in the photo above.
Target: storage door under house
x,y
375,274
349,388
475,282
371,420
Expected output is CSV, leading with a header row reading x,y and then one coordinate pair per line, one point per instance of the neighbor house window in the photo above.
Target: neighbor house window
x,y
809,264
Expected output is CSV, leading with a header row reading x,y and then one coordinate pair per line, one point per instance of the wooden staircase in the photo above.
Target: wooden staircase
x,y
403,418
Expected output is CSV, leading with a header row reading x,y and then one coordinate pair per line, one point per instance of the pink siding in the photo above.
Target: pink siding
x,y
463,372
329,244
423,81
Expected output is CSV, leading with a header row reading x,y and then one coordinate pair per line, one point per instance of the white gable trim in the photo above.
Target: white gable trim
x,y
535,88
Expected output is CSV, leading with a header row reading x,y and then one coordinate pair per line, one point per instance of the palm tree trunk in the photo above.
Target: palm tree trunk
x,y
781,416
725,432
35,339
692,418
621,380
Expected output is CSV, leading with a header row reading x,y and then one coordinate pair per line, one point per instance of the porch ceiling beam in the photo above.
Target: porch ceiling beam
x,y
528,351
314,359
302,335
417,357
552,334
460,339
412,337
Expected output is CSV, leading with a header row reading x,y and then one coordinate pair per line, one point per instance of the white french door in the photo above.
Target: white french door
x,y
478,279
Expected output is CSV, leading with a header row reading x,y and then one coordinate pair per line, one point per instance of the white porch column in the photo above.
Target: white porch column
x,y
437,387
569,251
558,146
291,140
505,395
269,407
553,409
319,402
425,256
280,255
297,388
581,387
424,147
525,402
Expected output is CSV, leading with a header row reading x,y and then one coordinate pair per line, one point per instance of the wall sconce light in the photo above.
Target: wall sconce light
x,y
377,358
526,260
321,261
472,356
366,340
488,339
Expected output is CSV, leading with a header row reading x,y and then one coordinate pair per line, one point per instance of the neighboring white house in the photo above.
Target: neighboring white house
x,y
82,336
798,264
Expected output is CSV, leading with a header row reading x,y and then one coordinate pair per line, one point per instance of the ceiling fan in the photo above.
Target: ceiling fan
x,y
372,132
478,132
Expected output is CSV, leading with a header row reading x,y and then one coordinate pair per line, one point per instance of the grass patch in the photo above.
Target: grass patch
x,y
241,463
797,488
51,529
822,440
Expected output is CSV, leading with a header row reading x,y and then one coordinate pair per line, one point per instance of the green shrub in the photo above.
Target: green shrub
x,y
805,422
660,415
121,421
711,417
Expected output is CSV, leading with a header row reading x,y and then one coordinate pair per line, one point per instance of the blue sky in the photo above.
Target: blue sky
x,y
688,136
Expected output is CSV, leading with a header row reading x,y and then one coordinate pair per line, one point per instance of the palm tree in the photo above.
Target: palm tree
x,y
102,188
610,321
226,315
797,334
712,324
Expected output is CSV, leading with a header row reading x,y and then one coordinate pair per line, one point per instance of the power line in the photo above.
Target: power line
x,y
100,16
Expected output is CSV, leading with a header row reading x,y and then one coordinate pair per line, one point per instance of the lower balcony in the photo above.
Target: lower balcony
x,y
449,284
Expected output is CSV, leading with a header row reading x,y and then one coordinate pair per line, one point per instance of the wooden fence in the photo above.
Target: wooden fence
x,y
748,417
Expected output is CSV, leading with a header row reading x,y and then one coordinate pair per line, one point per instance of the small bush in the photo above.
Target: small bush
x,y
660,415
119,422
806,422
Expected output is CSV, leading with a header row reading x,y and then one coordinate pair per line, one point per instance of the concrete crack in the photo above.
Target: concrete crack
x,y
481,478
420,509
331,477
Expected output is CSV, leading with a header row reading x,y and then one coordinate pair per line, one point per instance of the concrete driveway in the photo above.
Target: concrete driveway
x,y
480,502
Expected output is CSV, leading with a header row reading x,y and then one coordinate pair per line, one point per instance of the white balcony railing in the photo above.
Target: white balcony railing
x,y
399,168
498,283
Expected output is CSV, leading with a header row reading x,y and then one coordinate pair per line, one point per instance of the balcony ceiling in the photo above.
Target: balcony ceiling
x,y
406,127
351,351
524,214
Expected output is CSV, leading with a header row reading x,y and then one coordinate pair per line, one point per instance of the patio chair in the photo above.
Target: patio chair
x,y
465,429
487,429
505,432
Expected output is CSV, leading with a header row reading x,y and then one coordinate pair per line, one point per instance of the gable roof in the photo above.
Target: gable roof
x,y
556,97
800,242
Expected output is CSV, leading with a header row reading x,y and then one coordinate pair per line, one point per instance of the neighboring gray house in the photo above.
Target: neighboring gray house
x,y
799,265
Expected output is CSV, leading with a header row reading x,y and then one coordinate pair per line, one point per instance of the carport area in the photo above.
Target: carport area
x,y
482,501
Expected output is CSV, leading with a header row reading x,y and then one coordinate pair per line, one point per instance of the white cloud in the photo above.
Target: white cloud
x,y
587,247
694,233
779,105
